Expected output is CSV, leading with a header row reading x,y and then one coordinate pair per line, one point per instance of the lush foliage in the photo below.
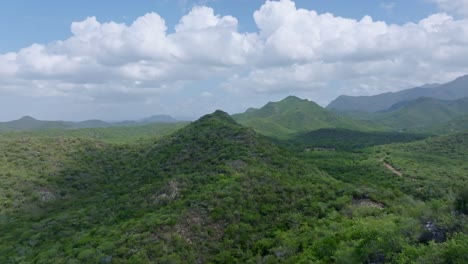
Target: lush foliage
x,y
345,139
217,192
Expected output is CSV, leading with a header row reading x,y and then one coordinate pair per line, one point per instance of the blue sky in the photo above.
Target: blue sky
x,y
107,59
26,22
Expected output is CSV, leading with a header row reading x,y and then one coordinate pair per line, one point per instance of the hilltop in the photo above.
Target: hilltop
x,y
294,115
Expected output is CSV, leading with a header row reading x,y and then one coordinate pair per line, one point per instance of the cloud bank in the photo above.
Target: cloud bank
x,y
294,50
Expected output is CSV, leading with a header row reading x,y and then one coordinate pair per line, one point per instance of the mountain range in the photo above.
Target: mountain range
x,y
27,123
453,90
418,114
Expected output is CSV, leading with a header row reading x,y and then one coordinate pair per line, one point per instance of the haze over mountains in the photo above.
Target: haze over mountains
x,y
455,89
28,123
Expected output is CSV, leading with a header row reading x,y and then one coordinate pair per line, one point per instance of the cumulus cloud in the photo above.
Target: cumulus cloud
x,y
293,50
459,7
307,50
116,55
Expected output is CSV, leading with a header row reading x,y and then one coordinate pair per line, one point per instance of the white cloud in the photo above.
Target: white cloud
x,y
459,7
110,55
352,56
294,50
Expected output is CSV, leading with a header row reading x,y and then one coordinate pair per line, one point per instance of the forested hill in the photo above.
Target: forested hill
x,y
218,192
293,115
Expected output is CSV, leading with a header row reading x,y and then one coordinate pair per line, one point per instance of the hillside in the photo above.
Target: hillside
x,y
419,114
455,125
209,192
344,139
453,90
212,192
294,115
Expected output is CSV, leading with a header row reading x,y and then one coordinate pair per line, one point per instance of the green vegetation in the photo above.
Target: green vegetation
x,y
124,134
345,139
455,125
217,192
294,115
27,123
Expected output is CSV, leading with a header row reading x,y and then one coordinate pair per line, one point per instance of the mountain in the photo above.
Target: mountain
x,y
95,123
158,119
211,192
420,113
294,115
217,192
453,90
29,123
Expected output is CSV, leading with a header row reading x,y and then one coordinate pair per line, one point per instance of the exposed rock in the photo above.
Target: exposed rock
x,y
167,194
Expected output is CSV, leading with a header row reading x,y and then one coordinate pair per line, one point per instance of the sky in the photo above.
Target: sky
x,y
118,60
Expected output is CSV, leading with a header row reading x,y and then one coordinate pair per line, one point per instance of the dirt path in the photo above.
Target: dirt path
x,y
392,169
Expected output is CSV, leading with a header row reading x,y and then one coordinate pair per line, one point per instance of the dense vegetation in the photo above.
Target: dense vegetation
x,y
118,134
345,139
217,192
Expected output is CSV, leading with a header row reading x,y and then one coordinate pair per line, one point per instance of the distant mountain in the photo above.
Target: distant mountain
x,y
28,123
292,115
95,123
449,91
419,114
158,119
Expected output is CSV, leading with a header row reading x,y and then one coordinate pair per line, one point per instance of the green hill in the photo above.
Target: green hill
x,y
217,192
453,90
294,115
